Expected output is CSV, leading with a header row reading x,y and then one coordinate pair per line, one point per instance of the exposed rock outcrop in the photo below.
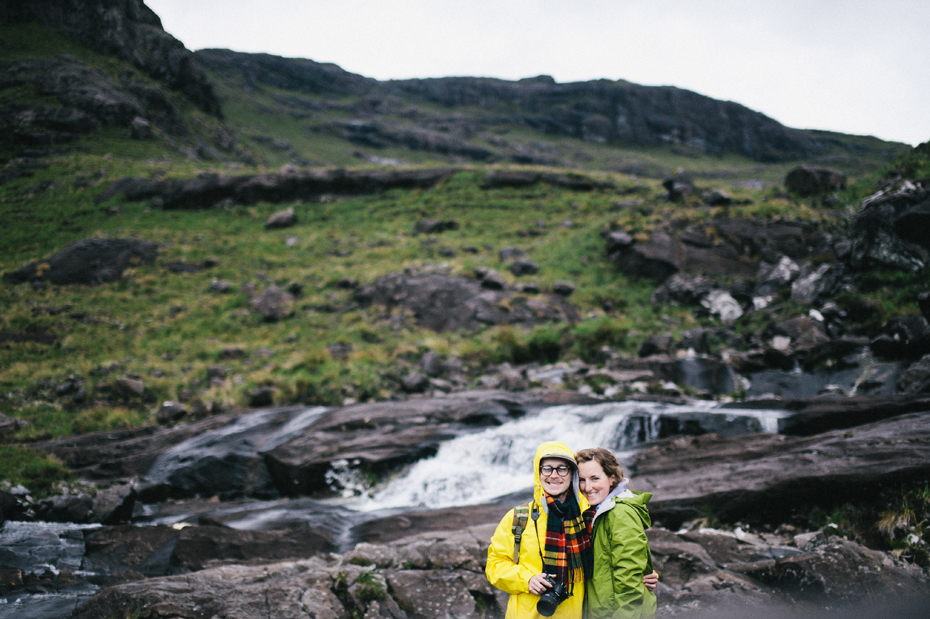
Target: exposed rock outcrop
x,y
90,262
783,473
449,303
127,29
209,189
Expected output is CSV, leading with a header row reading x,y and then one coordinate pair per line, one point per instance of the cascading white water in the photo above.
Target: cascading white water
x,y
477,468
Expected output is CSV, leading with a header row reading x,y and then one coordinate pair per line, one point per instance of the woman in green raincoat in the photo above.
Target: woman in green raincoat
x,y
617,520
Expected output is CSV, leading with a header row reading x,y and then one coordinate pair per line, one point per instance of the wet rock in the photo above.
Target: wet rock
x,y
11,507
273,304
917,377
808,181
198,547
377,437
781,473
65,508
90,262
447,303
903,337
113,505
281,219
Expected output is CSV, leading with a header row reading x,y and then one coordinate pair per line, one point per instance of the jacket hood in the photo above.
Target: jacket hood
x,y
555,449
635,500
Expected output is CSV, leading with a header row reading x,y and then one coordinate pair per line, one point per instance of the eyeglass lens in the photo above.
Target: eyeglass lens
x,y
549,470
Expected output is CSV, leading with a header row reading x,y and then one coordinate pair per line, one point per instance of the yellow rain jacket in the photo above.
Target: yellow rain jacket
x,y
514,578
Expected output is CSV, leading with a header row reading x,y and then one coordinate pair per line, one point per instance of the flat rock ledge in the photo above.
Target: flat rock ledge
x,y
441,575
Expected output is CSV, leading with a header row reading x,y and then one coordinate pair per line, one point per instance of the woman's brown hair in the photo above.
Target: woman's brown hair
x,y
607,461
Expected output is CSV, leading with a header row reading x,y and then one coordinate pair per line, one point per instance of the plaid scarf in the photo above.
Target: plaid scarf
x,y
569,554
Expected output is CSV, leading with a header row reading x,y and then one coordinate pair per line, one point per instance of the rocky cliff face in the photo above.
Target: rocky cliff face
x,y
127,29
600,111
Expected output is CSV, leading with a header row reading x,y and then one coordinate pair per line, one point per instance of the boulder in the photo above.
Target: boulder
x,y
65,508
273,304
723,306
170,412
656,344
808,180
281,219
818,285
563,288
128,387
875,240
917,377
511,253
432,364
415,382
903,337
717,197
90,262
679,185
771,278
448,303
524,267
681,289
113,505
805,332
432,226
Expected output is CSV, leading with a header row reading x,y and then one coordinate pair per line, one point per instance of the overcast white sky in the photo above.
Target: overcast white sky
x,y
855,66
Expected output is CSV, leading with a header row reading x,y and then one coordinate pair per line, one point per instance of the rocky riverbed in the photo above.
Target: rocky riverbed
x,y
727,484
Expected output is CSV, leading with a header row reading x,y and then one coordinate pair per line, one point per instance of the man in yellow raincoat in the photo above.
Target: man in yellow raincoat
x,y
554,531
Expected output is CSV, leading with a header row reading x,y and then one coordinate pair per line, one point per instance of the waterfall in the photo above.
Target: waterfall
x,y
478,468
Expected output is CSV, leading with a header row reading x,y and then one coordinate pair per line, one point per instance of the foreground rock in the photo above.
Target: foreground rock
x,y
770,477
449,303
89,261
442,575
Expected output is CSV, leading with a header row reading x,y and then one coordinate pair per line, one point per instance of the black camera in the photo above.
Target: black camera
x,y
551,599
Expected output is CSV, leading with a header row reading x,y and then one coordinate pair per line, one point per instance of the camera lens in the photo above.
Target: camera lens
x,y
547,604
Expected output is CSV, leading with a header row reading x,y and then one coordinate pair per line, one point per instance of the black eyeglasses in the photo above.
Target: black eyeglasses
x,y
547,470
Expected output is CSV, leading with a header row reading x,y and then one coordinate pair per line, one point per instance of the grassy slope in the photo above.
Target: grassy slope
x,y
169,330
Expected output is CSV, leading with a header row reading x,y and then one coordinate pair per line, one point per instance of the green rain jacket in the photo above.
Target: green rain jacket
x,y
621,558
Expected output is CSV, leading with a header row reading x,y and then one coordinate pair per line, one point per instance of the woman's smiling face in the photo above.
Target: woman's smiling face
x,y
595,484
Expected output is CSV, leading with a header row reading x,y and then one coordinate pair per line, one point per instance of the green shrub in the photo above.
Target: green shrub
x,y
35,470
590,336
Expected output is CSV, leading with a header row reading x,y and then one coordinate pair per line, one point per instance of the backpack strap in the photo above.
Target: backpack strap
x,y
521,514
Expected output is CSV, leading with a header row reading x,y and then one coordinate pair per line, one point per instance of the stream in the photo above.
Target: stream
x,y
492,465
